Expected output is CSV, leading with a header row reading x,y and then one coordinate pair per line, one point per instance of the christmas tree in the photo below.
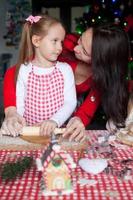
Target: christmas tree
x,y
119,12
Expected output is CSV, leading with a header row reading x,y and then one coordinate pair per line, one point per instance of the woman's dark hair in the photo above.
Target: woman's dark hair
x,y
110,54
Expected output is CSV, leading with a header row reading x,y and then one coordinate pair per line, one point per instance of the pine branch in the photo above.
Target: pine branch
x,y
12,170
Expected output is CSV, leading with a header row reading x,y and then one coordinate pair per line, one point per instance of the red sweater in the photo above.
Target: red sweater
x,y
87,109
9,88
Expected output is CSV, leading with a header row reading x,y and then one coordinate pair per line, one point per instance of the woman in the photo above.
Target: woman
x,y
105,50
109,55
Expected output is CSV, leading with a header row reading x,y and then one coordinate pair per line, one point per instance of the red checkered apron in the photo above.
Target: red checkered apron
x,y
45,96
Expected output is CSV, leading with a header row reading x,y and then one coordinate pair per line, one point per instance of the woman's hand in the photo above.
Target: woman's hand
x,y
47,127
75,129
13,122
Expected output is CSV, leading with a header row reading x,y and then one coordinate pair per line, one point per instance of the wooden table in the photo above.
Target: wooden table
x,y
107,187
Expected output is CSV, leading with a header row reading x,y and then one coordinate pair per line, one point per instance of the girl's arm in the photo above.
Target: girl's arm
x,y
21,89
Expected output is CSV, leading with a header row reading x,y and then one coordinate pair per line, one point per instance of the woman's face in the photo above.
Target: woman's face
x,y
83,49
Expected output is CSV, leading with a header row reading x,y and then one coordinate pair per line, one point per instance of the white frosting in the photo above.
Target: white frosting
x,y
56,148
84,181
39,164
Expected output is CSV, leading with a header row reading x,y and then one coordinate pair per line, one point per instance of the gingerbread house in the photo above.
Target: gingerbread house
x,y
56,166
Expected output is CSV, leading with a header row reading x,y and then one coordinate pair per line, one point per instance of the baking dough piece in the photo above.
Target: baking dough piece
x,y
130,129
34,131
17,144
125,138
44,140
31,134
130,133
65,143
72,145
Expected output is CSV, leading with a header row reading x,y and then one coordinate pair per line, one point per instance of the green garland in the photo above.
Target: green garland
x,y
12,170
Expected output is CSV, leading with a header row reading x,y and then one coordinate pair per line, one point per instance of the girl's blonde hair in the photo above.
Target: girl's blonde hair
x,y
40,28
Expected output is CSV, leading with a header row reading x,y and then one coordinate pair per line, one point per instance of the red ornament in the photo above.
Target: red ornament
x,y
129,20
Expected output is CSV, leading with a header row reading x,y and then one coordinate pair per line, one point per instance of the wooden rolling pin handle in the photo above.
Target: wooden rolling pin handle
x,y
34,131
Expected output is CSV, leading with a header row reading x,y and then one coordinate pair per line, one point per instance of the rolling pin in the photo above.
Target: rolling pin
x,y
34,131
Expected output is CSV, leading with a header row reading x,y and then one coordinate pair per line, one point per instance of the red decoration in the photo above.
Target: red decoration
x,y
129,20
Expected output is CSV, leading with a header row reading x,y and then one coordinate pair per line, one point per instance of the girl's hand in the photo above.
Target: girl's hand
x,y
47,127
12,125
75,129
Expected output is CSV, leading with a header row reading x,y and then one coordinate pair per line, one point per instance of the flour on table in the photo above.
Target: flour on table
x,y
5,140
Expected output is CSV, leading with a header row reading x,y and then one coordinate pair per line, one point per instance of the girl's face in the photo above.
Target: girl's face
x,y
83,48
50,46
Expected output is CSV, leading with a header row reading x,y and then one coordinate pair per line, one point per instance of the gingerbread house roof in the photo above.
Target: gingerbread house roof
x,y
53,150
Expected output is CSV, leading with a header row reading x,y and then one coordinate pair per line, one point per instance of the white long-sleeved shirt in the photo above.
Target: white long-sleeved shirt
x,y
70,100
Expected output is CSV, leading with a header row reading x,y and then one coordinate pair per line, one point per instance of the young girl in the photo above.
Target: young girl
x,y
84,85
45,88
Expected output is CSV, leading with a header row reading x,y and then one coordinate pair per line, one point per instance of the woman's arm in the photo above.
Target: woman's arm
x,y
83,116
88,108
13,122
9,88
